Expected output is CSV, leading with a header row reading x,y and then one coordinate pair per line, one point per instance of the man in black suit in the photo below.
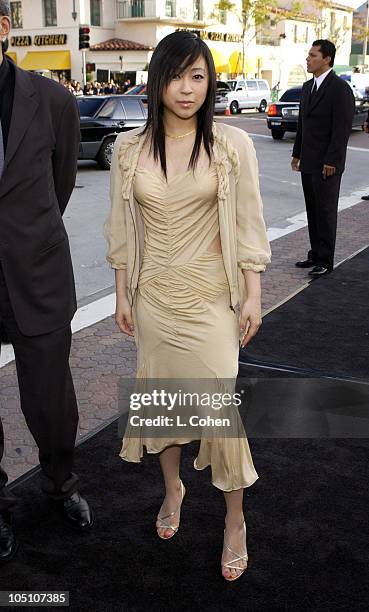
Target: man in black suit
x,y
39,140
326,111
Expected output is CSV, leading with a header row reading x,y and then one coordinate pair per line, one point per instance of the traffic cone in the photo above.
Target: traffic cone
x,y
227,112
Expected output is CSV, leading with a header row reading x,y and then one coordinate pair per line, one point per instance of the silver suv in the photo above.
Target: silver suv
x,y
246,93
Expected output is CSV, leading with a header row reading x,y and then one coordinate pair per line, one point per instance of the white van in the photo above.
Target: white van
x,y
246,93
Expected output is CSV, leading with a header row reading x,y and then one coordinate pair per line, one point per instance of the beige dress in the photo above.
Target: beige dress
x,y
184,326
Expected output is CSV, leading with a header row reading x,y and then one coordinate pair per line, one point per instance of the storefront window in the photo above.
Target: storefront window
x,y
50,18
16,14
95,9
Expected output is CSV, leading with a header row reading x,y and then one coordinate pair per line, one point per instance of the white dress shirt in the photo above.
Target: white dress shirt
x,y
319,80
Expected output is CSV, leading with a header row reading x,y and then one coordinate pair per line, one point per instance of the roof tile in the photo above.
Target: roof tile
x,y
119,44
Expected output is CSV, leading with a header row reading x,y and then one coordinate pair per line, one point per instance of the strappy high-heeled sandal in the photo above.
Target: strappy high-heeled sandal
x,y
232,564
163,519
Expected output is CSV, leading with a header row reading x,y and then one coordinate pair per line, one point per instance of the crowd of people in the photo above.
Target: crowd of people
x,y
94,88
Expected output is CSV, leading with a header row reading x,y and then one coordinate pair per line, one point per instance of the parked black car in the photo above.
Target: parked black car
x,y
101,120
283,115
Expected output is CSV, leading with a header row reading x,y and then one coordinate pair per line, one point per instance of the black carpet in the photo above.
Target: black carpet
x,y
307,518
324,329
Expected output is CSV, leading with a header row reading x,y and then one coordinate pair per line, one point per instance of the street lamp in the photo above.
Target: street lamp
x,y
74,12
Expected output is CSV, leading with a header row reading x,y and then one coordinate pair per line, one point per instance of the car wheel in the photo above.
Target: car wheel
x,y
234,107
263,106
277,134
105,154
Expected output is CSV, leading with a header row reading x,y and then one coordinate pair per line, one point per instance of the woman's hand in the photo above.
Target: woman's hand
x,y
250,319
123,316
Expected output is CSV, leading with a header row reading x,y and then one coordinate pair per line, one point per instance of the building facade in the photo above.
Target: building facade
x,y
45,33
281,45
360,36
276,51
124,32
148,21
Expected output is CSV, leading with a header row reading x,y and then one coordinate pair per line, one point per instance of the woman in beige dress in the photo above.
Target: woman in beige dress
x,y
187,241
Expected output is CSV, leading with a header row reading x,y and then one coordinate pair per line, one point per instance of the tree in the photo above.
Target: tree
x,y
319,14
252,14
360,32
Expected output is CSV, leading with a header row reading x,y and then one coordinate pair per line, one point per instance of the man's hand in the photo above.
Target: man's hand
x,y
366,127
295,164
328,170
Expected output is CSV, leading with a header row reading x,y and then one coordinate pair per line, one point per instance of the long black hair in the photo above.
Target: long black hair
x,y
173,55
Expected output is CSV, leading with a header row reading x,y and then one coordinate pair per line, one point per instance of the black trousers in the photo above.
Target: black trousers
x,y
48,402
321,199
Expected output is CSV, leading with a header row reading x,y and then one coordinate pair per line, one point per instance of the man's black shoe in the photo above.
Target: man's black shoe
x,y
8,541
77,512
365,197
306,263
319,271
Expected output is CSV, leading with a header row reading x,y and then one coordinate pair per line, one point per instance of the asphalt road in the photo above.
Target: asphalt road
x,y
280,188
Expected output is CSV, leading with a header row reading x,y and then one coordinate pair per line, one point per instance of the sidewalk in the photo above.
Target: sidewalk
x,y
101,354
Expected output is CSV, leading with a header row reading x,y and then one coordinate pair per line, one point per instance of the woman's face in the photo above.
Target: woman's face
x,y
186,92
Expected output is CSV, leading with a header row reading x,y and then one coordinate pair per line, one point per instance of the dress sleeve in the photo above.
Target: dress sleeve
x,y
115,229
253,250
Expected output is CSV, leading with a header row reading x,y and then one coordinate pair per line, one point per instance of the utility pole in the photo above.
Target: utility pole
x,y
84,43
84,72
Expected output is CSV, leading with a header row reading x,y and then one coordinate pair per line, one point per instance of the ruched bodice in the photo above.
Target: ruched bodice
x,y
180,216
181,222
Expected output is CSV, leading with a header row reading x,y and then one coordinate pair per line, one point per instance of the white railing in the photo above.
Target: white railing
x,y
187,11
136,8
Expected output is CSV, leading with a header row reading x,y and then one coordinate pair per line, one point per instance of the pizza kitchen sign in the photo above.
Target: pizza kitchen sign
x,y
39,40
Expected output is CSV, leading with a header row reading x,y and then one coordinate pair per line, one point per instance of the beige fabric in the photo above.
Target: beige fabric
x,y
242,229
184,327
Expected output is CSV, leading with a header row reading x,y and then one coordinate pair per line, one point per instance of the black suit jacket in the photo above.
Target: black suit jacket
x,y
324,125
37,181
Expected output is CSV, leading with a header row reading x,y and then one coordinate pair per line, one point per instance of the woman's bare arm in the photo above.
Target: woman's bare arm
x,y
123,311
250,316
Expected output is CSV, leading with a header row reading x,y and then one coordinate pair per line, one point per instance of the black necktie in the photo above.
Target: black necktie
x,y
313,91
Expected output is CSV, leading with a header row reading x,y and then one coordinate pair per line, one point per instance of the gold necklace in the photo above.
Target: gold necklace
x,y
181,136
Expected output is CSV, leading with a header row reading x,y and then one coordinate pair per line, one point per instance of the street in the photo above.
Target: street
x,y
280,188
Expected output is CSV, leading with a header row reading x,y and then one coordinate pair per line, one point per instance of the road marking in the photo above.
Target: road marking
x,y
85,317
277,180
256,119
358,149
361,149
300,220
93,313
259,135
